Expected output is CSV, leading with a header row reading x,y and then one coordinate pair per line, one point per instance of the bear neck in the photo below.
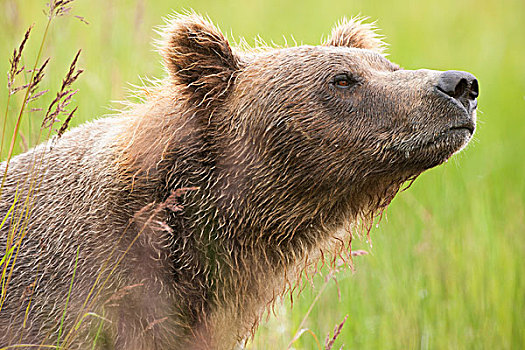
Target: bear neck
x,y
248,199
242,228
245,201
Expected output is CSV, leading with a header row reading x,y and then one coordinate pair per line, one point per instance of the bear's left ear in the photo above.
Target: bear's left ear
x,y
354,33
199,57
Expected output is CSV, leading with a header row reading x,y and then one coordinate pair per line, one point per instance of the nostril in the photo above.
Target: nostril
x,y
474,89
460,88
457,84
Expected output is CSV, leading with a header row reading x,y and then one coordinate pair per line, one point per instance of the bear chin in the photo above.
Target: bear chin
x,y
441,148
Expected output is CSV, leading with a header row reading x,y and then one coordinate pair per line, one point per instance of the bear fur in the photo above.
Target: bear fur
x,y
177,223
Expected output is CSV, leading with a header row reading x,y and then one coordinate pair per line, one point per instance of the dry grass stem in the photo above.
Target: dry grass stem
x,y
14,62
63,97
329,342
58,8
65,124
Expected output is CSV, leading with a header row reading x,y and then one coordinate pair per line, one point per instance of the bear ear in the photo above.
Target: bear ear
x,y
198,57
354,33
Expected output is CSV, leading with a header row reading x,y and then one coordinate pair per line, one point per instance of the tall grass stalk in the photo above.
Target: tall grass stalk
x,y
301,329
13,72
57,106
67,300
23,106
19,214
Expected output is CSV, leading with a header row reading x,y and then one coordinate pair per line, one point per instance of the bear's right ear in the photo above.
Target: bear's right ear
x,y
199,57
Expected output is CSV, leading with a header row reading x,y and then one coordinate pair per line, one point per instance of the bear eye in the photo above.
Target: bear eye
x,y
344,81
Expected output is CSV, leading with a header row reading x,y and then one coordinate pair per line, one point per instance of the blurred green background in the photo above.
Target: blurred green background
x,y
446,270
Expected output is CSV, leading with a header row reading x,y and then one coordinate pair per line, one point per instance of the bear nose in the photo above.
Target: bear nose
x,y
461,86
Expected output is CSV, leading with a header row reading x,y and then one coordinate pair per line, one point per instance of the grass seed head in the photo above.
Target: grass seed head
x,y
15,68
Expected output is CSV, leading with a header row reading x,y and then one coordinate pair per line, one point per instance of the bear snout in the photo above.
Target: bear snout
x,y
461,86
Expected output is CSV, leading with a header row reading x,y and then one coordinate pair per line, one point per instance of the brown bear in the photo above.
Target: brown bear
x,y
177,223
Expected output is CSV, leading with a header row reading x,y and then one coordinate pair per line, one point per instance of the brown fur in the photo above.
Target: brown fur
x,y
194,211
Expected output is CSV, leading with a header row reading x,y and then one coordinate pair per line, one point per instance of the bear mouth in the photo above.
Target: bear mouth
x,y
469,126
439,148
452,138
461,132
436,147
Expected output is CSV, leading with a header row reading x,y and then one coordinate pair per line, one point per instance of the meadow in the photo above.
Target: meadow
x,y
447,264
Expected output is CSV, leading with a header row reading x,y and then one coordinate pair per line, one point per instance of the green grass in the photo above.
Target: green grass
x,y
447,265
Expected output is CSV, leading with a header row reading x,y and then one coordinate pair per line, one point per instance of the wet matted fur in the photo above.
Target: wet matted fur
x,y
193,211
